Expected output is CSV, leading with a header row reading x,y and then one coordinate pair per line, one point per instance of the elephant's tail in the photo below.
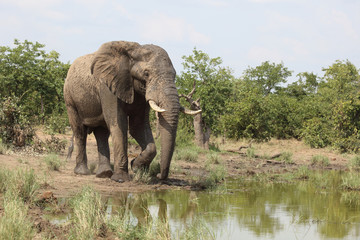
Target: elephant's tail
x,y
71,148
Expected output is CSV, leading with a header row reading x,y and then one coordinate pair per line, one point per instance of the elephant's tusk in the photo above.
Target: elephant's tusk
x,y
189,112
155,107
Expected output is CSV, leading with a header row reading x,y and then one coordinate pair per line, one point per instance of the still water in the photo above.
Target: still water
x,y
274,211
299,210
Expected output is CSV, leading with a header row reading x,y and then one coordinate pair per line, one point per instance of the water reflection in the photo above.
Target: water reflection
x,y
277,211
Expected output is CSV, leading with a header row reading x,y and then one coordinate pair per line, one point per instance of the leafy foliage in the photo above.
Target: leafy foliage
x,y
213,87
31,83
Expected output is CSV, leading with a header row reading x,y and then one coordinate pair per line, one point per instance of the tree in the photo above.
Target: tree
x,y
206,85
267,76
35,77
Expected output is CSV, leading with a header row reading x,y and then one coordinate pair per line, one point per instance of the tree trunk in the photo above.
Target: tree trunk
x,y
198,128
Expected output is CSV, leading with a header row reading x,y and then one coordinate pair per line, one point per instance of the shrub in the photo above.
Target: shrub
x,y
317,133
15,127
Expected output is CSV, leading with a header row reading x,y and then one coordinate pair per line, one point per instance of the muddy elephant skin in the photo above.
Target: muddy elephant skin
x,y
109,91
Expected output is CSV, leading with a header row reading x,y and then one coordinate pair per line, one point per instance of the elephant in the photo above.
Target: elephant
x,y
110,92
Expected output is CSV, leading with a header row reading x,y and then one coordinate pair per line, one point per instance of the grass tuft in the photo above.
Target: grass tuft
x,y
250,152
187,154
14,223
53,162
351,181
355,162
88,215
320,160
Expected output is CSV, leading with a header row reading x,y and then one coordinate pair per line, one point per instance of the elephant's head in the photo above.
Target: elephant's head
x,y
126,67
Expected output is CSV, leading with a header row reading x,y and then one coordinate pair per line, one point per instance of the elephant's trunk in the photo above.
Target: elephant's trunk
x,y
168,125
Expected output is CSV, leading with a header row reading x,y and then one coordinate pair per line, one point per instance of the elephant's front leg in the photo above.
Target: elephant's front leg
x,y
141,131
119,139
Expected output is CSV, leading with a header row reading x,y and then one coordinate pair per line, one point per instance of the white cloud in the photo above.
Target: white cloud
x,y
215,3
162,28
261,54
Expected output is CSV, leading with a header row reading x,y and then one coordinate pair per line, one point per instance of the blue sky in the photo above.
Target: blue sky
x,y
306,35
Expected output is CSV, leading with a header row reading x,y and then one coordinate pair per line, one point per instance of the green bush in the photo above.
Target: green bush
x,y
316,133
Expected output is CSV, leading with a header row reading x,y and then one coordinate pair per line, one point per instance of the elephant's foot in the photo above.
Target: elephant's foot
x,y
82,169
136,165
120,177
104,171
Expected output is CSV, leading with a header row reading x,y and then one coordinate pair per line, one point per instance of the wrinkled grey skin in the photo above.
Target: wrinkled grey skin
x,y
108,91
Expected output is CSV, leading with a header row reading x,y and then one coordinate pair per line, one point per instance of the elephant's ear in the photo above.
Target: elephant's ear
x,y
111,65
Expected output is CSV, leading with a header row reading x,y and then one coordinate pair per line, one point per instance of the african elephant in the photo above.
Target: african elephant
x,y
111,90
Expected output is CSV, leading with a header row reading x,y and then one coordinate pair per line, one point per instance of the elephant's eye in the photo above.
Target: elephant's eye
x,y
146,73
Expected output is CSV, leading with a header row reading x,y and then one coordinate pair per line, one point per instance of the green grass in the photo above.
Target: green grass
x,y
14,223
210,180
286,157
320,160
19,188
21,183
250,152
351,181
187,154
53,162
88,218
355,162
303,172
3,148
213,158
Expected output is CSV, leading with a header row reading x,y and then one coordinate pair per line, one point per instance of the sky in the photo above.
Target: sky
x,y
304,35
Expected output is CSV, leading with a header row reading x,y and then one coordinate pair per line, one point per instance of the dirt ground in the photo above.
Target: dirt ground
x,y
65,183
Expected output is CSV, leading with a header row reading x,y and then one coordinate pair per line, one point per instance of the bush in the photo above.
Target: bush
x,y
15,127
316,133
57,123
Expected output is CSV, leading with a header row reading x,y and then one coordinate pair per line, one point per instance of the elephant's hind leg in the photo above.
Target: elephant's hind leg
x,y
80,134
102,136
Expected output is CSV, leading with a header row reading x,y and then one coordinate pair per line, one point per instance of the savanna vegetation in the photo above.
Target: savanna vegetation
x,y
266,103
261,104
